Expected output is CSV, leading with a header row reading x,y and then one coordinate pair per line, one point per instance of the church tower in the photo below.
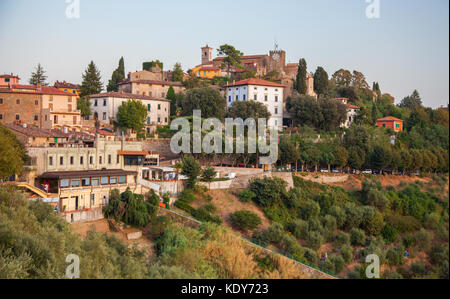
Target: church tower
x,y
206,54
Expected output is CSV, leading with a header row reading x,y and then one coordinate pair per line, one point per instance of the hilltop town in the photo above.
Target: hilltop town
x,y
355,174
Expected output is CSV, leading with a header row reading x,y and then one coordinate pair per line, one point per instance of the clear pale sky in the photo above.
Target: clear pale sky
x,y
406,49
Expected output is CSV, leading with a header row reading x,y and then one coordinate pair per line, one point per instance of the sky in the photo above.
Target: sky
x,y
406,48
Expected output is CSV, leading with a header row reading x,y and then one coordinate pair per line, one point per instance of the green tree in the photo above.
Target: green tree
x,y
117,76
146,66
38,77
192,169
208,174
248,109
177,73
132,115
343,78
84,105
301,77
172,96
91,81
232,57
321,81
245,220
412,102
288,152
359,80
206,99
12,154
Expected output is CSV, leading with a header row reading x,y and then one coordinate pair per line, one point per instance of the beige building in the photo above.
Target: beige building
x,y
35,137
148,84
106,105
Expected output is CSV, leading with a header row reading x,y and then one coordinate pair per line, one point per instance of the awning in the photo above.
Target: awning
x,y
133,153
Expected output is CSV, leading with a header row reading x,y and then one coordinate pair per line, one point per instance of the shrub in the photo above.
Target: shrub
x,y
159,225
423,240
432,221
347,253
187,196
184,206
339,263
203,215
273,233
245,220
246,196
311,256
394,256
208,174
404,224
418,269
339,214
269,191
314,240
210,208
299,229
309,209
357,237
342,239
389,233
289,245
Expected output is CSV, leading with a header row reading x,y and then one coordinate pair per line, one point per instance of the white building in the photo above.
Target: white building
x,y
105,106
266,92
352,112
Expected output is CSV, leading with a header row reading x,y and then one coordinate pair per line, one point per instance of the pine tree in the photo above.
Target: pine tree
x,y
171,95
38,77
91,81
117,76
301,77
177,73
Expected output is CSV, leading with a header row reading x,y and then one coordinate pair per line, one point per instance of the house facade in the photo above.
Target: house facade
x,y
352,112
268,93
390,122
148,83
105,106
68,87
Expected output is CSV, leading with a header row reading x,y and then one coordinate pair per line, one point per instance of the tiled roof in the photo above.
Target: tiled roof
x,y
65,84
254,81
105,133
36,132
9,76
85,173
45,90
209,68
389,118
220,58
157,82
352,106
124,95
132,153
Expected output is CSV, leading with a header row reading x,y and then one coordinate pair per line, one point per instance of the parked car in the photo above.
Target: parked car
x,y
367,171
324,170
376,172
335,170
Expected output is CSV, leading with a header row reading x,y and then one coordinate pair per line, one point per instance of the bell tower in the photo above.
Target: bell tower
x,y
206,54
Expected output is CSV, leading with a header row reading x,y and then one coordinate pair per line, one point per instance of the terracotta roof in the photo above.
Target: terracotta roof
x,y
65,84
254,81
132,153
220,58
389,118
157,82
352,106
105,133
18,88
209,68
124,95
88,173
9,76
292,65
36,132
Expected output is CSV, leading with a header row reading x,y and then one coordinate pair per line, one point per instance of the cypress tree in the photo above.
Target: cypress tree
x,y
117,76
301,77
171,95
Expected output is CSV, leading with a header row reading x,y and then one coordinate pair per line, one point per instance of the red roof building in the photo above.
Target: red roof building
x,y
393,123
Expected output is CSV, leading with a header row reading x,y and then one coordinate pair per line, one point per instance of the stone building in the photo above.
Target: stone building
x,y
148,83
6,80
41,106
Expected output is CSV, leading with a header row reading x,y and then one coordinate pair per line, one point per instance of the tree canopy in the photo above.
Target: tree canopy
x,y
38,77
91,83
132,115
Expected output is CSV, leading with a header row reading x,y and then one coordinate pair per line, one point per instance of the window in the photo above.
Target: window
x,y
64,183
55,119
166,119
149,121
255,97
163,95
229,99
109,159
104,115
36,118
256,88
75,183
71,160
276,98
159,106
92,200
149,107
100,160
237,97
81,160
18,102
50,161
50,106
122,180
113,181
94,182
69,108
104,180
1,101
95,103
105,102
276,110
17,117
7,80
266,98
118,159
159,119
91,160
36,103
243,97
85,182
397,126
61,160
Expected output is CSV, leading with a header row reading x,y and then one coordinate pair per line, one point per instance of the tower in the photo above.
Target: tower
x,y
206,54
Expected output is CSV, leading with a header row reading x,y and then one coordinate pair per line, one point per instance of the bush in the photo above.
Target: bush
x,y
432,221
210,208
418,269
311,256
423,240
245,220
357,237
184,206
204,216
339,263
309,209
389,233
314,240
273,233
394,256
269,191
159,225
299,229
342,239
404,224
187,196
246,196
347,253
